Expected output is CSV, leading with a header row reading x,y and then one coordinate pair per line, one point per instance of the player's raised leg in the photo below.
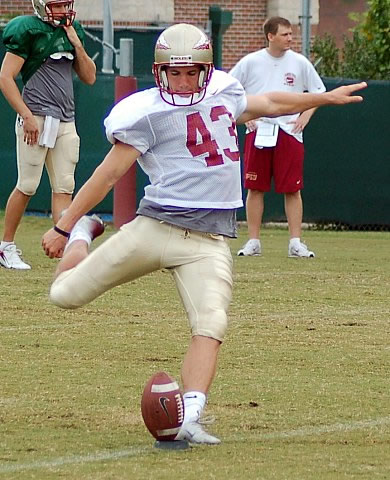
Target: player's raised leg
x,y
81,236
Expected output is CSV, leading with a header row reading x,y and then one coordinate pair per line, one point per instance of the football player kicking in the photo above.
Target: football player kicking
x,y
183,134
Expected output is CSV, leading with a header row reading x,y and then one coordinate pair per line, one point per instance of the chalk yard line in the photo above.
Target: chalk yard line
x,y
310,431
132,452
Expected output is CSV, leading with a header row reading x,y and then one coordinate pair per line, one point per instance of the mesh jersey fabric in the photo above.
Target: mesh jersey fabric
x,y
190,153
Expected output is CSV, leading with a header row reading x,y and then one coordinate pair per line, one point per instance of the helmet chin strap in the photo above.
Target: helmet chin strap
x,y
174,98
181,98
177,100
65,21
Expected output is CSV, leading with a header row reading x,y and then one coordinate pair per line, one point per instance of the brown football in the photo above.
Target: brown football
x,y
162,407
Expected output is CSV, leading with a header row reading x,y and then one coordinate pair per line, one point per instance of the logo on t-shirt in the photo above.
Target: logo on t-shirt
x,y
289,79
251,176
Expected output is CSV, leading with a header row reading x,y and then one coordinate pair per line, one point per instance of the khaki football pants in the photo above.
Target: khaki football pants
x,y
60,161
200,263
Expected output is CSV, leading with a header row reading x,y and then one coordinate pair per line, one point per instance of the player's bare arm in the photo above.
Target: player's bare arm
x,y
274,104
83,65
11,66
116,163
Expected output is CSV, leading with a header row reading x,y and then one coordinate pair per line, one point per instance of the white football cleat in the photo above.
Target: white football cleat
x,y
10,258
193,432
300,251
251,248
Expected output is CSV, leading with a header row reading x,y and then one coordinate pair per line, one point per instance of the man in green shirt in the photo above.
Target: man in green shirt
x,y
45,49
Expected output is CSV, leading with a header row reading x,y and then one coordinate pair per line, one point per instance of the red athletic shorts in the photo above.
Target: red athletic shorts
x,y
283,163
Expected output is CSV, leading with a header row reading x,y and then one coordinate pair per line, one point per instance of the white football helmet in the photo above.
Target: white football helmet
x,y
182,45
43,10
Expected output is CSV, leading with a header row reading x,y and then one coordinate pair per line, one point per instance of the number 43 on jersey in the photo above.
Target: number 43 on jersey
x,y
196,124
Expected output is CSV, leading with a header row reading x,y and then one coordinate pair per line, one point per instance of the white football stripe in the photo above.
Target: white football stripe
x,y
136,451
166,387
167,431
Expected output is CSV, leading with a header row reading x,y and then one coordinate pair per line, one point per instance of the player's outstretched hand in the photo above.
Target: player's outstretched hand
x,y
53,244
345,94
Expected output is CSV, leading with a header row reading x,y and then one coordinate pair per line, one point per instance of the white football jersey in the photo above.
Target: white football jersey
x,y
190,153
260,72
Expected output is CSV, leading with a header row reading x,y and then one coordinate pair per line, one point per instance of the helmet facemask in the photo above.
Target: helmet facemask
x,y
44,10
182,98
183,45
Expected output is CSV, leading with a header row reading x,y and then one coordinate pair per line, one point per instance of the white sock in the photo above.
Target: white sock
x,y
194,403
88,241
296,241
5,244
78,232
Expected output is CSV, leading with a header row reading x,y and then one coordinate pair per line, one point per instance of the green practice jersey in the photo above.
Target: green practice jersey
x,y
29,37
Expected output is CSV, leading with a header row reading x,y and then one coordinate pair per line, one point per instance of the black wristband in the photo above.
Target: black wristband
x,y
61,232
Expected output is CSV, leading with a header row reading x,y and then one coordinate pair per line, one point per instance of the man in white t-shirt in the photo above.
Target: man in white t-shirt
x,y
274,146
183,134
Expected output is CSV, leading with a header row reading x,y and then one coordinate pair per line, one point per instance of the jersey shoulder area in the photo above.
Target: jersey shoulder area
x,y
133,108
224,82
20,32
26,23
32,24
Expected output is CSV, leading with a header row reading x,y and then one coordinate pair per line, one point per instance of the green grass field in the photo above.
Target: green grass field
x,y
302,391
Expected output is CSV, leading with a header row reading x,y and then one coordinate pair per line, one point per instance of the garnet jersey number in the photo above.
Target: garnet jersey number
x,y
196,124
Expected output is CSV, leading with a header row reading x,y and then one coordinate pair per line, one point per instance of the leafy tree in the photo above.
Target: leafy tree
x,y
326,54
367,54
359,59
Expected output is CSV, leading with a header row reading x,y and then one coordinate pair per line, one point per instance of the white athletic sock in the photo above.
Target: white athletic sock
x,y
194,403
78,232
5,244
295,242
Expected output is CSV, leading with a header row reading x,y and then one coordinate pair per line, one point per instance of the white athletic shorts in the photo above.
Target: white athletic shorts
x,y
201,265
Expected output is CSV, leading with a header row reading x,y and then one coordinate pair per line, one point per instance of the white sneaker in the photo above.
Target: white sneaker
x,y
193,432
300,251
251,248
10,258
